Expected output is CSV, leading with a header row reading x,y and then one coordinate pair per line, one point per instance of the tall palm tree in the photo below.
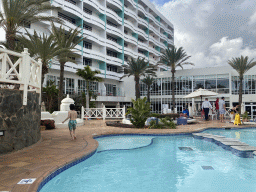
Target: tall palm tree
x,y
41,46
89,76
15,13
241,65
138,67
148,81
174,58
68,40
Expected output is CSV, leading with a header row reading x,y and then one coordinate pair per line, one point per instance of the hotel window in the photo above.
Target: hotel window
x,y
111,68
125,45
87,27
111,38
223,84
140,40
52,78
111,53
70,86
66,18
71,1
140,51
81,86
87,45
87,61
88,11
111,24
125,58
110,89
126,32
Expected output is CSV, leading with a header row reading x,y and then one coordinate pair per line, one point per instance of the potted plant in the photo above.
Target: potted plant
x,y
245,116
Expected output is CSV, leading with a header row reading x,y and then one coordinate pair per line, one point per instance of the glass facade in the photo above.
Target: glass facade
x,y
184,85
249,84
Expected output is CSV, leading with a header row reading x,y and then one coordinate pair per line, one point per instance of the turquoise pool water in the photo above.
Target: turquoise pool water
x,y
157,164
245,135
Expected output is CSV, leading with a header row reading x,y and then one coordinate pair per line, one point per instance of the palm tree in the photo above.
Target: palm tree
x,y
148,81
41,46
51,93
17,13
89,76
137,68
67,40
174,58
241,65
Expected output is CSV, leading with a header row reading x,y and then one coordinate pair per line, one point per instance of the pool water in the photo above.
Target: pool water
x,y
245,135
157,164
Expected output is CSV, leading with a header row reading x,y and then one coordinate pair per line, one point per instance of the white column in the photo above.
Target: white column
x,y
25,74
104,112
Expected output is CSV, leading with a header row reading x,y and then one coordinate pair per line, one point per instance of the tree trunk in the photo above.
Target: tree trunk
x,y
87,95
44,71
173,91
148,93
240,94
60,95
10,40
137,87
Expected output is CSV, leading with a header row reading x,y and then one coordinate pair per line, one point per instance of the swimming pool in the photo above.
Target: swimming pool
x,y
245,135
157,163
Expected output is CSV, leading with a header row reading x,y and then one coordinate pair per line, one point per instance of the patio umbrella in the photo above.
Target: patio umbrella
x,y
201,93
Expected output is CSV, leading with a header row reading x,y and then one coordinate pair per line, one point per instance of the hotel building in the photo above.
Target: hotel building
x,y
113,31
117,30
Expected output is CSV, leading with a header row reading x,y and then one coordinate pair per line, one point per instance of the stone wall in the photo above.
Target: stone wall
x,y
20,123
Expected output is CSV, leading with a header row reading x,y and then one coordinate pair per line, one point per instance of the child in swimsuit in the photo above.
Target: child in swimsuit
x,y
72,116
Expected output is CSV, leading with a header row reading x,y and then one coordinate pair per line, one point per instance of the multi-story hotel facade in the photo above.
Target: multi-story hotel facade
x,y
117,30
113,31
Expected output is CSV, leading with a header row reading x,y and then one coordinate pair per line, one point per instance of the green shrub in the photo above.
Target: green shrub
x,y
139,112
165,123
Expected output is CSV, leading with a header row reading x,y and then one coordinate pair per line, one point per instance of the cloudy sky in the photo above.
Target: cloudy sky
x,y
212,31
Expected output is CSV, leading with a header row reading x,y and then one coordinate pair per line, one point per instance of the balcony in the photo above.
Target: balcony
x,y
142,33
114,60
94,54
128,51
142,45
96,5
130,39
143,22
94,37
131,13
93,20
114,45
114,30
141,8
68,6
129,24
132,2
116,3
113,15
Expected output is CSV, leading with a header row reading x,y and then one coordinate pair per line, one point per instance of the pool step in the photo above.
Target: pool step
x,y
234,145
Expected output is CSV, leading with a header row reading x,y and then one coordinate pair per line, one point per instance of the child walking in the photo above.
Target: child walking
x,y
72,116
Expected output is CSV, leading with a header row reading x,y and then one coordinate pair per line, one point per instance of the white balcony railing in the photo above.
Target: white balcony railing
x,y
116,3
130,39
25,71
113,15
96,5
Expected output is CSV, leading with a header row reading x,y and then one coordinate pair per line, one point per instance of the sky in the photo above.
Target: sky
x,y
212,31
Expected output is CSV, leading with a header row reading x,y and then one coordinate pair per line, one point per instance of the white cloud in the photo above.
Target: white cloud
x,y
213,31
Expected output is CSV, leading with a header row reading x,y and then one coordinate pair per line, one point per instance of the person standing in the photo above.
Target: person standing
x,y
217,108
222,109
206,106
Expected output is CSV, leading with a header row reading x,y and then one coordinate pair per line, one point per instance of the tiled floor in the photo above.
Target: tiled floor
x,y
56,149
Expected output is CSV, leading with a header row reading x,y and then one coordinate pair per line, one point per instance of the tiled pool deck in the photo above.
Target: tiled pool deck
x,y
56,150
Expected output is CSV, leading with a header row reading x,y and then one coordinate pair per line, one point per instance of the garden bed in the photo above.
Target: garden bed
x,y
121,125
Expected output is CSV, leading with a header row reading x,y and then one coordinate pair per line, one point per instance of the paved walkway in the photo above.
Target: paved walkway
x,y
55,149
